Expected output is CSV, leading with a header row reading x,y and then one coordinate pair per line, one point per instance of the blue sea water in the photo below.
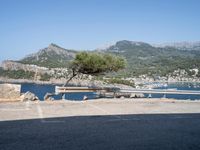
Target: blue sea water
x,y
41,90
180,86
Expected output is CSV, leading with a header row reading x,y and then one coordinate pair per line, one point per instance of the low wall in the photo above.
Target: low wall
x,y
10,91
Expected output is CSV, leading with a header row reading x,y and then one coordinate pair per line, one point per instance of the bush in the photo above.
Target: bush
x,y
45,77
120,81
17,74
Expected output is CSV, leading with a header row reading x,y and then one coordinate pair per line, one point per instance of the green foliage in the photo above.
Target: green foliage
x,y
49,60
198,74
120,81
143,58
45,77
190,72
17,74
50,57
97,63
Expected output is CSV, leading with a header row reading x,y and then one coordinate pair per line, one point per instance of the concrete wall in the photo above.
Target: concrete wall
x,y
10,91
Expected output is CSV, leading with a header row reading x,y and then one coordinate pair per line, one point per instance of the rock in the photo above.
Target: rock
x,y
48,97
122,97
140,95
133,95
136,95
28,96
149,96
85,97
10,91
22,97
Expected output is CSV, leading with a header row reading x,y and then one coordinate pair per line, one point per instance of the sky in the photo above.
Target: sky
x,y
29,25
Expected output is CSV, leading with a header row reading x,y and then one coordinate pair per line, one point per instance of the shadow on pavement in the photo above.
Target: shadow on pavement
x,y
138,132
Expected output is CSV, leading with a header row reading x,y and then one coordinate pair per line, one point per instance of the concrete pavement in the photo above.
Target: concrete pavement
x,y
97,125
117,132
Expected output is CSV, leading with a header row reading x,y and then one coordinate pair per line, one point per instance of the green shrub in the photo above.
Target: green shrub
x,y
17,74
45,77
120,81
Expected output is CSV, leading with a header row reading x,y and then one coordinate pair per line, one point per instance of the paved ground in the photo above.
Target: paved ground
x,y
98,127
34,110
137,132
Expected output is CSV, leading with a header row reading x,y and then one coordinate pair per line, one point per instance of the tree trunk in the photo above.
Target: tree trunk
x,y
73,75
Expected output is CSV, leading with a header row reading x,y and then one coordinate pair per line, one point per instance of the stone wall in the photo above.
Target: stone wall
x,y
10,91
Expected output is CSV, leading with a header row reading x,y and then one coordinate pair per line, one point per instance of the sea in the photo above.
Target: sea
x,y
180,86
41,89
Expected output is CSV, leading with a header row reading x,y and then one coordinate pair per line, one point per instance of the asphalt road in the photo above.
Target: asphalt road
x,y
137,132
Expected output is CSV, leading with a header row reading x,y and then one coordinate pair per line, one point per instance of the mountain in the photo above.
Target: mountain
x,y
144,58
53,56
132,48
182,45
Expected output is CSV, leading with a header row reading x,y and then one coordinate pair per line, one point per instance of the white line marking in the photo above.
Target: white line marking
x,y
42,119
40,113
27,105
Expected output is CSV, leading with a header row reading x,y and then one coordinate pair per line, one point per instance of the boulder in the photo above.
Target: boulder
x,y
48,97
133,95
136,95
10,91
122,95
140,95
85,97
28,96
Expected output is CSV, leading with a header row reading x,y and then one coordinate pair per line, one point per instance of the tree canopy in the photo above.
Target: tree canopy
x,y
96,63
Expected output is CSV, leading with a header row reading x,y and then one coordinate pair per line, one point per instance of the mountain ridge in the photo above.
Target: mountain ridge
x,y
142,58
52,56
185,45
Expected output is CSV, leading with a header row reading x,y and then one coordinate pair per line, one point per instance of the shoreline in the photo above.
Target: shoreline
x,y
2,100
61,81
24,81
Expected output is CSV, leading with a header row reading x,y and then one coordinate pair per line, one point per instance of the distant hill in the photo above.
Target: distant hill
x,y
182,45
142,58
53,56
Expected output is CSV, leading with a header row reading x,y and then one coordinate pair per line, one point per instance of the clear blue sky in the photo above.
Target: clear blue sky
x,y
29,25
